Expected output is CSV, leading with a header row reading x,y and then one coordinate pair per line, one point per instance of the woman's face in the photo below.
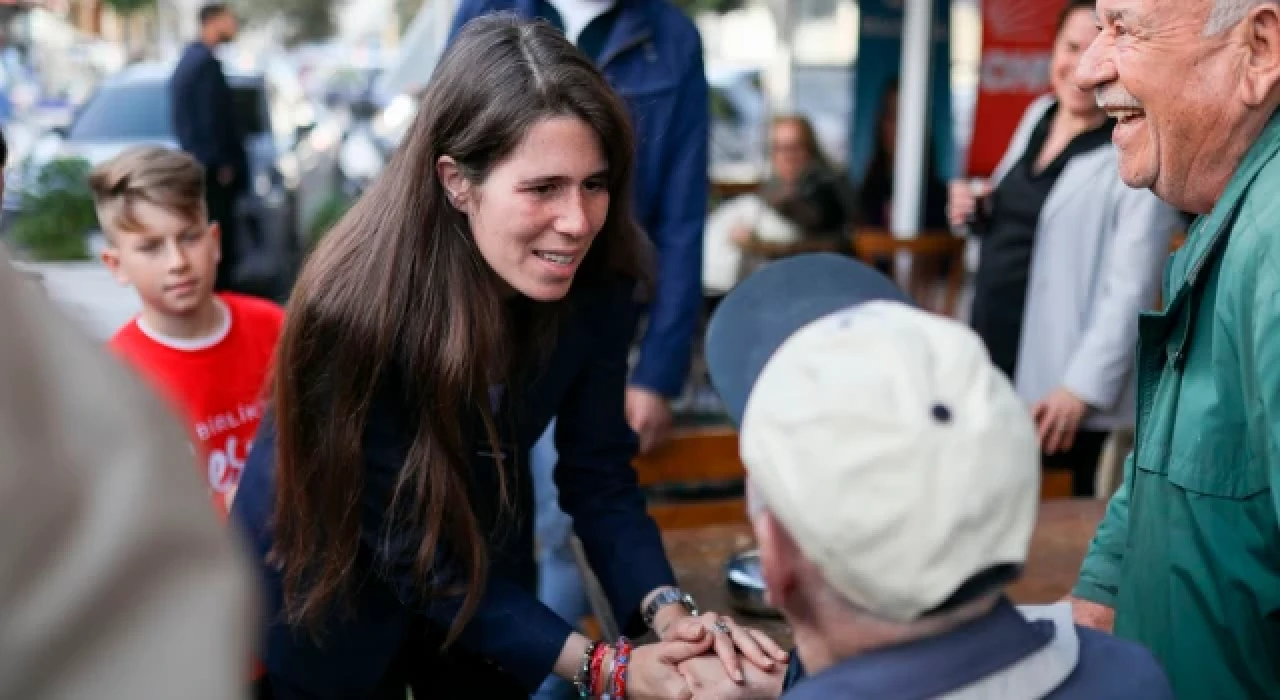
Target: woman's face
x,y
790,151
537,213
1076,35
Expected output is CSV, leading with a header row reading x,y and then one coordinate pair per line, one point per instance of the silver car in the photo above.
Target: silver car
x,y
293,166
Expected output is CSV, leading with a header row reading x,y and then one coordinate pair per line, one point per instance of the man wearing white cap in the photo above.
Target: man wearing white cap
x,y
894,479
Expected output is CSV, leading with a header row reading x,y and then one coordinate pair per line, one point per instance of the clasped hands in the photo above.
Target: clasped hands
x,y
708,657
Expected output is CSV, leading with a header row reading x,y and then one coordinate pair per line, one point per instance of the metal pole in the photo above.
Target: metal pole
x,y
910,158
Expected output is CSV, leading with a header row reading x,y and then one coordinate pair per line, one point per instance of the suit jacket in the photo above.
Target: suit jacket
x,y
1096,265
583,383
117,579
653,60
204,115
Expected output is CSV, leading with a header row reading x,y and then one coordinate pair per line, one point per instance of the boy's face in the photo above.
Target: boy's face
x,y
171,262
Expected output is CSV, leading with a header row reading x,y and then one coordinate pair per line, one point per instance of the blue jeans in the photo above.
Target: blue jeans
x,y
559,585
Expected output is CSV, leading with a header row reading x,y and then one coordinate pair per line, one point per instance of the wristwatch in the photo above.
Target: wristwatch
x,y
663,598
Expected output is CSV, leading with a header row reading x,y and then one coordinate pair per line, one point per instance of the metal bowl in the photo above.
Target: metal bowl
x,y
747,592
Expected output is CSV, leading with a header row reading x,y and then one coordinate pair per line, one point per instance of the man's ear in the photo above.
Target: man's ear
x,y
777,558
1261,78
457,188
111,259
215,233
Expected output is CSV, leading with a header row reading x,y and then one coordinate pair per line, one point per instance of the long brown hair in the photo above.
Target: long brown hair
x,y
399,289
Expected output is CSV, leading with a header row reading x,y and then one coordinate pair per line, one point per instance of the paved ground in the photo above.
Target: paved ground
x,y
88,293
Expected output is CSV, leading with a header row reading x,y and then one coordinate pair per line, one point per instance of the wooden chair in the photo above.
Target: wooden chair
x,y
928,251
695,480
727,189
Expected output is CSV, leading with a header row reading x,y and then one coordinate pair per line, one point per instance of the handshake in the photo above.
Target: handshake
x,y
709,656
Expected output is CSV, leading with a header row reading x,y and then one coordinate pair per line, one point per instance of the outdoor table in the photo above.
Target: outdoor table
x,y
1058,546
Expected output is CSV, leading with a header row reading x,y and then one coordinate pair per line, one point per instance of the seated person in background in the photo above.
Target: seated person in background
x,y
893,480
804,207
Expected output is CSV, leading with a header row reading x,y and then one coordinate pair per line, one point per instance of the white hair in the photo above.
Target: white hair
x,y
1226,14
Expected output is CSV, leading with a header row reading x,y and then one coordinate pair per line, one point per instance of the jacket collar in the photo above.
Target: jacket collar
x,y
1209,230
936,666
633,28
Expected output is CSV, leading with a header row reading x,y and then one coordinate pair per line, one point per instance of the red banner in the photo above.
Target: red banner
x,y
1017,37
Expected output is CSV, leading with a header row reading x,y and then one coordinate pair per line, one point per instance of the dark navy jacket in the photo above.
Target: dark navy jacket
x,y
1107,669
204,115
583,383
653,59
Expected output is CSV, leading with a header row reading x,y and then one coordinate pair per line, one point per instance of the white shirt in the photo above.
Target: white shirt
x,y
577,14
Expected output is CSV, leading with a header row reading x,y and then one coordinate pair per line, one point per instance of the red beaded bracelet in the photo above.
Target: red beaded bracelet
x,y
597,664
622,659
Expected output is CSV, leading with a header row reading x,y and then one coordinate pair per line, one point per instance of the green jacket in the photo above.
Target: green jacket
x,y
1189,551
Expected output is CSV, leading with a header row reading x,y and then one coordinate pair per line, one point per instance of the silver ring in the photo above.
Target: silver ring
x,y
721,626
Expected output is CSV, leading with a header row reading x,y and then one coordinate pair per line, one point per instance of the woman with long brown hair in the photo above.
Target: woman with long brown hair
x,y
485,283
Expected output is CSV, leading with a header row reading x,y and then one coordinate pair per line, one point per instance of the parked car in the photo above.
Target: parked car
x,y
289,163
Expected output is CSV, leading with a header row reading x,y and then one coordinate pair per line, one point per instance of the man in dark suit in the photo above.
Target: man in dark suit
x,y
204,120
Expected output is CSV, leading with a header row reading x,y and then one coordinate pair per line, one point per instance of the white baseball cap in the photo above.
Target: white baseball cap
x,y
900,460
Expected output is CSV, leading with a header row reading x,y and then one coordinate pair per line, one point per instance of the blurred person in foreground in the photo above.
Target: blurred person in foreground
x,y
116,580
1187,559
893,479
208,354
1070,257
803,207
205,122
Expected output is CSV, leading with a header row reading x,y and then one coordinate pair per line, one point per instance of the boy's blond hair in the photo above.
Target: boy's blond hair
x,y
169,179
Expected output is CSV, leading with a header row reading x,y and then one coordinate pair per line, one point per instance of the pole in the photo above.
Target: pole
x,y
910,158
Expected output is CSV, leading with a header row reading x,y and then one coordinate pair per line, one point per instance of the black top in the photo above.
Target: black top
x,y
1000,287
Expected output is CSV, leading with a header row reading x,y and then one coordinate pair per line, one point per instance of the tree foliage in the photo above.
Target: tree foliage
x,y
57,213
126,8
304,20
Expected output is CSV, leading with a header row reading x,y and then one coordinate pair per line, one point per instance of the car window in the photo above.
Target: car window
x,y
134,112
141,112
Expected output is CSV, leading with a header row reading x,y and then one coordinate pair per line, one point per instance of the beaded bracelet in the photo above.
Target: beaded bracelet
x,y
622,659
582,680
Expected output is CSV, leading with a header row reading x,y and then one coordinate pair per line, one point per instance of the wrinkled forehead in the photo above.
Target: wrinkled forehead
x,y
1152,14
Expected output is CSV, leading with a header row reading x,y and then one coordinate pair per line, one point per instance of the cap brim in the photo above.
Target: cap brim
x,y
754,319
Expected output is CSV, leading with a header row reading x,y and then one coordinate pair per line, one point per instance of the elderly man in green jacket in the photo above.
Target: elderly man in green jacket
x,y
1187,560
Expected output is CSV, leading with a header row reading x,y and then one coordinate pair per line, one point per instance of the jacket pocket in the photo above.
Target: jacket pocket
x,y
1219,465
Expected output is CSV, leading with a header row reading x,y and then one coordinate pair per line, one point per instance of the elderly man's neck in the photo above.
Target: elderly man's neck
x,y
1207,183
834,630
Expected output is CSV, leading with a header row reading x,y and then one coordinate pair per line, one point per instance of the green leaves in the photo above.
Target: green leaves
x,y
305,20
57,213
125,8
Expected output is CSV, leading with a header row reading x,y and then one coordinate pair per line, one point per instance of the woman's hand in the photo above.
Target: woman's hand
x,y
1058,417
707,680
962,200
741,235
653,671
728,639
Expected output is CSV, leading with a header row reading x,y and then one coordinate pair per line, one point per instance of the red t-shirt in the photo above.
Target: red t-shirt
x,y
218,382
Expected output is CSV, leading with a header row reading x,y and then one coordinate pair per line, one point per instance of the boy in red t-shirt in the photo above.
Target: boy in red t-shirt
x,y
208,353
